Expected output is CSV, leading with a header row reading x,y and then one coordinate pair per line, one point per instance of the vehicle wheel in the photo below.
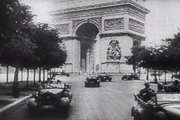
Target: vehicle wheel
x,y
161,116
67,111
31,111
110,80
137,117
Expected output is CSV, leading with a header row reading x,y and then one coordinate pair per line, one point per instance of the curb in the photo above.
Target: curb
x,y
13,106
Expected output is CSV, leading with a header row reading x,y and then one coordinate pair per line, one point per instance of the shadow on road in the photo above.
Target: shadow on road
x,y
48,114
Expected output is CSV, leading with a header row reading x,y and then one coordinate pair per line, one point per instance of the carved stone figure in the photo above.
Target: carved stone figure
x,y
114,50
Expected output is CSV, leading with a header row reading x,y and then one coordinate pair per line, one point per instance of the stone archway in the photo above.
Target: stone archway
x,y
80,25
86,34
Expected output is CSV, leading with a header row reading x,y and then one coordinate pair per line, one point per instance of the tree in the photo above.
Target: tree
x,y
25,45
15,47
135,58
143,57
49,50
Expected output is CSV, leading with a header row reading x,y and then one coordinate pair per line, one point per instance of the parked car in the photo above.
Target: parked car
x,y
132,76
60,73
51,94
166,106
105,77
65,73
176,76
92,80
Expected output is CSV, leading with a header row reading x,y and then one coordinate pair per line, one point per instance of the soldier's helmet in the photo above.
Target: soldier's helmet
x,y
147,84
160,86
176,82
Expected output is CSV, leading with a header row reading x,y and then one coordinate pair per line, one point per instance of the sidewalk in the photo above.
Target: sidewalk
x,y
7,103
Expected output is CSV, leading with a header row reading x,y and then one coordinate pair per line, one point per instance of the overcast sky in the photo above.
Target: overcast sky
x,y
162,22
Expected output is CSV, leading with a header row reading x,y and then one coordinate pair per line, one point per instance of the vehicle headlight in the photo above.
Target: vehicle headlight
x,y
65,101
35,94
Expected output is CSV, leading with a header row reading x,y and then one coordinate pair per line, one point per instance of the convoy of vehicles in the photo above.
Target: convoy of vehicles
x,y
57,94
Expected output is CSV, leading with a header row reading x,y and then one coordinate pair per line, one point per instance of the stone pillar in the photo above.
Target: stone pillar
x,y
76,56
92,57
88,61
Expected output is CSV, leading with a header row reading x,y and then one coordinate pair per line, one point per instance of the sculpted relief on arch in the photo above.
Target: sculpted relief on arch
x,y
63,28
113,50
114,24
136,26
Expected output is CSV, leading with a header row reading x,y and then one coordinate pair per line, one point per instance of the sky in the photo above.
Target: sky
x,y
162,22
41,9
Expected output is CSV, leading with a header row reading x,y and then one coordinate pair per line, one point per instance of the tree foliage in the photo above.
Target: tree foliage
x,y
164,57
48,49
24,44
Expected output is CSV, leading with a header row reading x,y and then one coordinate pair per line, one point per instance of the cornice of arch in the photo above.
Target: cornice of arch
x,y
122,34
103,5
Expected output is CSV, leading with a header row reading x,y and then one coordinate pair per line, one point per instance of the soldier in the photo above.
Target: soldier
x,y
146,93
175,86
160,87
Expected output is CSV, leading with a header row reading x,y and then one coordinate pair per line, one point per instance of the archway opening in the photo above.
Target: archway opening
x,y
87,34
87,30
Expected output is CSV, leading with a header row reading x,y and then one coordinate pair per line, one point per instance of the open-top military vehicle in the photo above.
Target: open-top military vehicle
x,y
104,77
165,106
51,94
92,80
132,76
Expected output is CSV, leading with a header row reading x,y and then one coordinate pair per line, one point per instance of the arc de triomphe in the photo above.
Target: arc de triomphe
x,y
99,33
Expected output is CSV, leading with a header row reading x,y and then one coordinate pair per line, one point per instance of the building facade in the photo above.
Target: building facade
x,y
98,34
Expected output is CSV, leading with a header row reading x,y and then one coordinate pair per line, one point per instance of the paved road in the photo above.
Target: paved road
x,y
110,101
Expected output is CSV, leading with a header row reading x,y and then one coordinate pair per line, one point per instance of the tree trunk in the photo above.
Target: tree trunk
x,y
159,75
134,68
34,76
147,75
7,74
172,73
39,74
50,73
27,82
165,76
139,72
43,74
47,73
15,89
22,75
155,76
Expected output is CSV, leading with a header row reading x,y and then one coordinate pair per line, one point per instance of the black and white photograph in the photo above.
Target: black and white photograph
x,y
90,60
